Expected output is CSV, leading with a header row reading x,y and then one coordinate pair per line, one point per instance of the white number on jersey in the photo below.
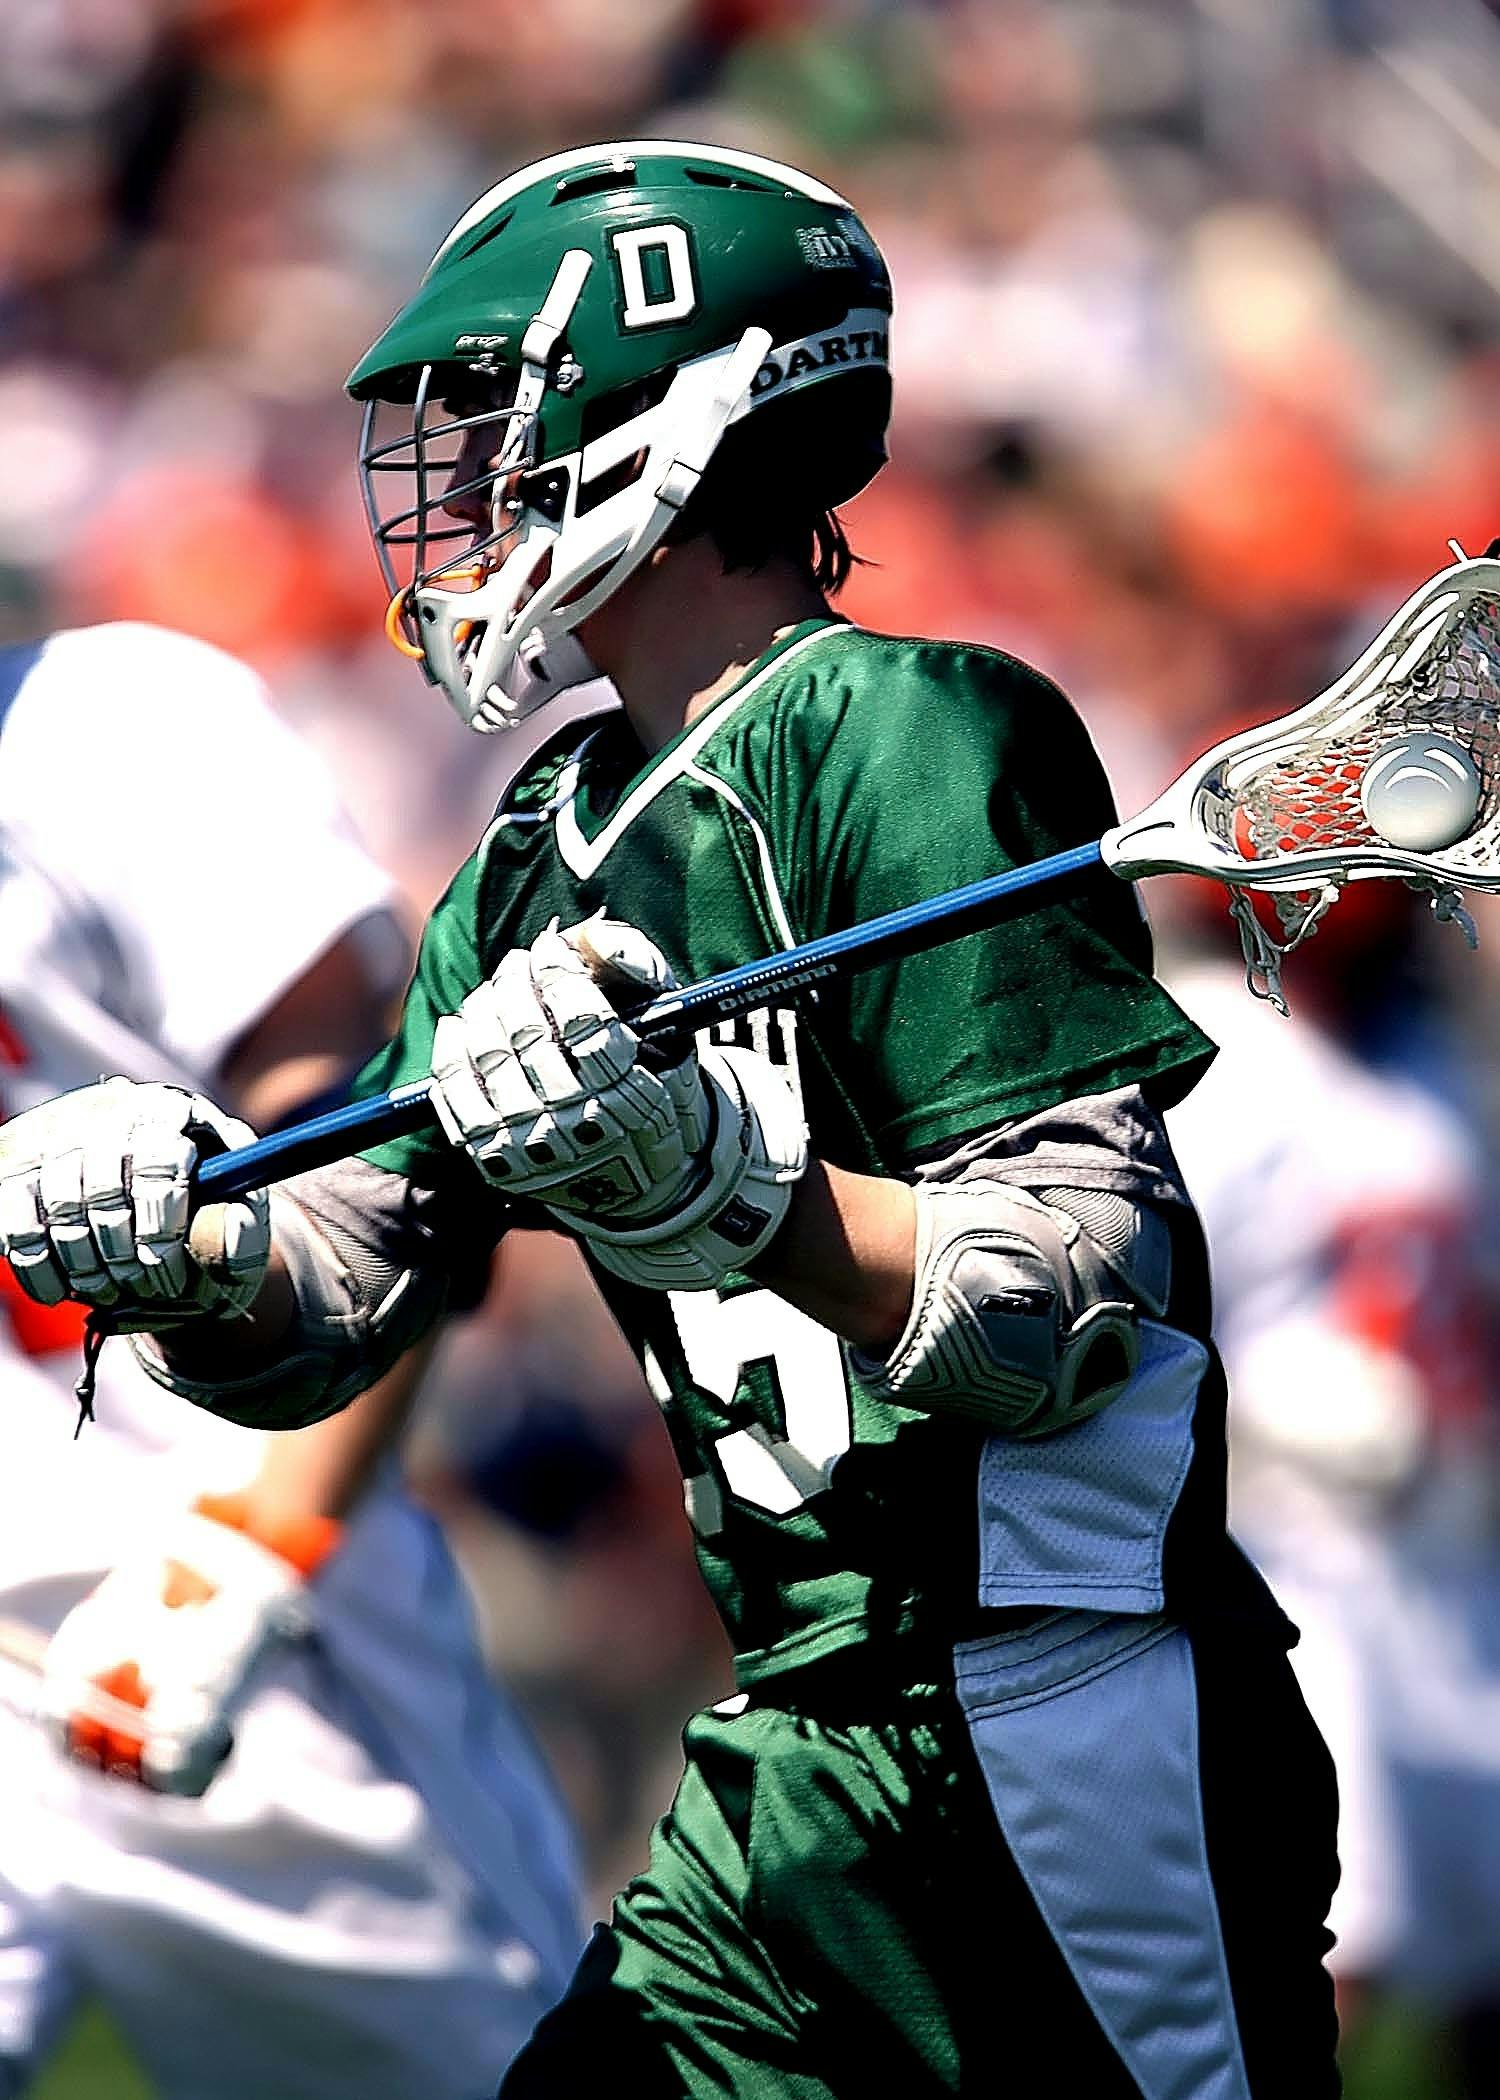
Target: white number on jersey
x,y
720,1338
673,295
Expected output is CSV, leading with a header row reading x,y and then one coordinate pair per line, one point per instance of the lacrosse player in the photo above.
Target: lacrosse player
x,y
1017,1751
1349,1309
374,1895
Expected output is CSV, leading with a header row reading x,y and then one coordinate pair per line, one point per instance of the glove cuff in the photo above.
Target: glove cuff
x,y
734,1202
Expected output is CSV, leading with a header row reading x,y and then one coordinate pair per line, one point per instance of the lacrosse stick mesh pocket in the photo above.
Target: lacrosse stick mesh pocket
x,y
1301,792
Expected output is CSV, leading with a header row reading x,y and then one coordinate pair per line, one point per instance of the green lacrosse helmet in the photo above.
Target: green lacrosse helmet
x,y
584,341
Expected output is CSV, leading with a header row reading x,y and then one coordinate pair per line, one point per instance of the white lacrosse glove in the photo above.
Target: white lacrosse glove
x,y
176,1635
672,1178
94,1205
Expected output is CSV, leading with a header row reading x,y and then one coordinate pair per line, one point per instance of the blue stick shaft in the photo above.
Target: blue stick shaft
x,y
914,927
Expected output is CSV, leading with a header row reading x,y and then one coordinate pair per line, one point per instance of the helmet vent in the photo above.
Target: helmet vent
x,y
620,175
717,179
482,240
624,403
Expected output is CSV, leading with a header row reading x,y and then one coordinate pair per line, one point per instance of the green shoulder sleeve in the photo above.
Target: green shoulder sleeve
x,y
907,768
448,969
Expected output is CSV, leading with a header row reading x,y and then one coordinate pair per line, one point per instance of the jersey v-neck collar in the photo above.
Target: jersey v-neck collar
x,y
584,834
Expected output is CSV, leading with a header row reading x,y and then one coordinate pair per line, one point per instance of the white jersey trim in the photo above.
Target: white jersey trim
x,y
585,857
762,846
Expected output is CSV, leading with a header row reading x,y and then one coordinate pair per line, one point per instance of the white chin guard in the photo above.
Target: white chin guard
x,y
537,673
754,1159
527,676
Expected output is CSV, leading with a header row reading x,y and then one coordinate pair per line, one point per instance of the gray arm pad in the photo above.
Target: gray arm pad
x,y
366,1285
1022,1320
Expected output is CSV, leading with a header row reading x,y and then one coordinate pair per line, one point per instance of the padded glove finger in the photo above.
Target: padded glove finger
x,y
160,1195
62,1201
463,1106
25,1242
536,1035
602,1047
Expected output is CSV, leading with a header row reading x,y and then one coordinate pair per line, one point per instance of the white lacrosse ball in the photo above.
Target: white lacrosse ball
x,y
1422,792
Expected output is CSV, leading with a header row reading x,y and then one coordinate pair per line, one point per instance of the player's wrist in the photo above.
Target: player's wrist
x,y
845,1254
233,1342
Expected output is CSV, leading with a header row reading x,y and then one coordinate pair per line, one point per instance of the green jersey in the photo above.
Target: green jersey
x,y
846,774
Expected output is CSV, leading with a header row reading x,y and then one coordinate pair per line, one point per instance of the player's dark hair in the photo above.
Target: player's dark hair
x,y
771,487
748,538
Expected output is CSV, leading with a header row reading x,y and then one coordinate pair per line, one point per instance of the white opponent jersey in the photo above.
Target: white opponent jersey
x,y
1341,1207
1342,1211
172,860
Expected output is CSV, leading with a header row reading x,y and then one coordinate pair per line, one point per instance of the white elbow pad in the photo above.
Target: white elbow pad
x,y
1021,1320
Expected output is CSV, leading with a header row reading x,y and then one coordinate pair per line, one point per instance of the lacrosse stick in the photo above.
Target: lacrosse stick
x,y
1394,771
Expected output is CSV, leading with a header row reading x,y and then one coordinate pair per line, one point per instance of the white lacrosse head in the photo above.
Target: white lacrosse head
x,y
1395,770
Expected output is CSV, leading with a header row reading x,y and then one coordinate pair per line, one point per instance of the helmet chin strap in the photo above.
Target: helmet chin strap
x,y
694,449
544,332
690,461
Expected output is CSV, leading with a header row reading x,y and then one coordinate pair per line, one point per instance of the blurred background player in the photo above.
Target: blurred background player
x,y
375,1894
1344,1206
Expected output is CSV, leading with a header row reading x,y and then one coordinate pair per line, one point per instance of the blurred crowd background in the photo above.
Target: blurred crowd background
x,y
1197,371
